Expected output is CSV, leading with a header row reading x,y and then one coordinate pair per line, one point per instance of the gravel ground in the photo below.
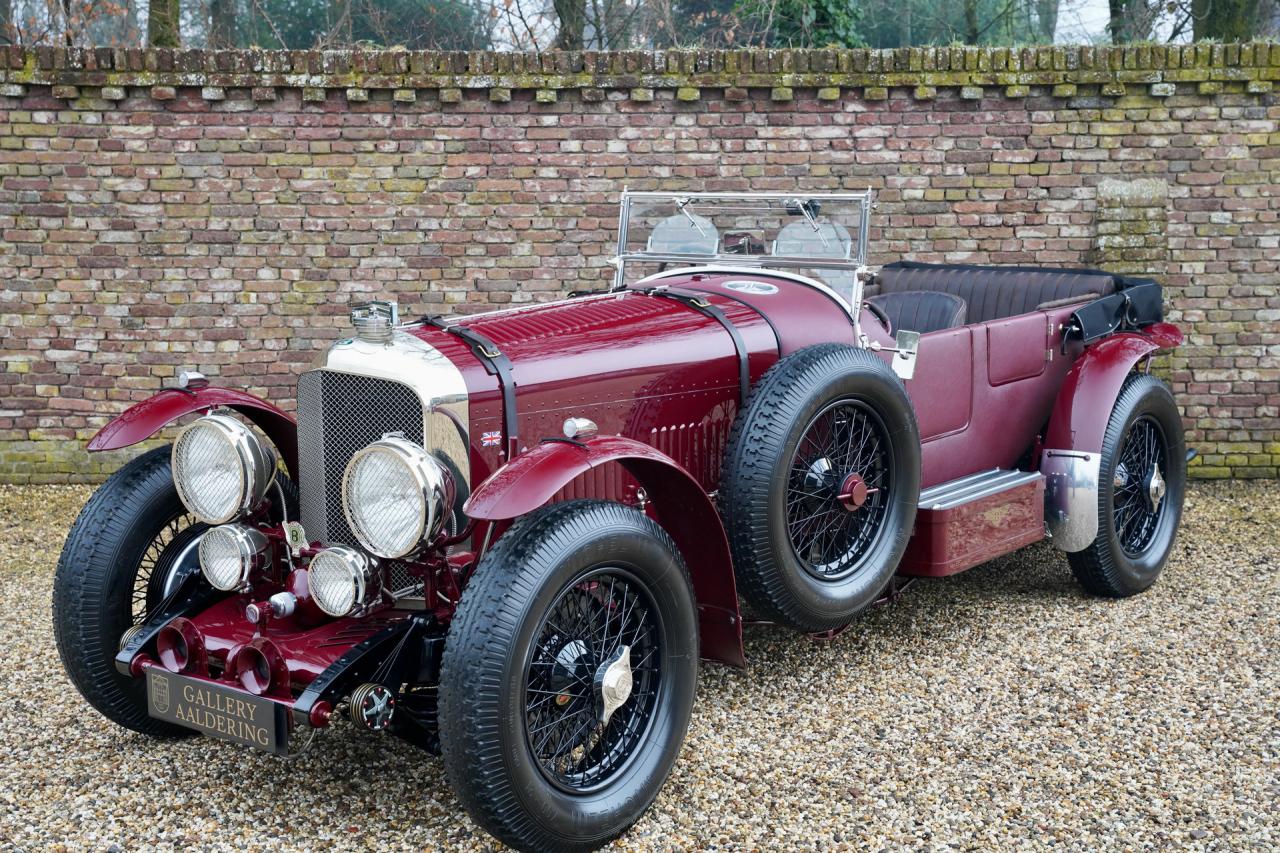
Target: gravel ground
x,y
999,708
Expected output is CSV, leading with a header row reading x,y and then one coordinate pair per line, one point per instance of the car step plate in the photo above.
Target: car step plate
x,y
218,711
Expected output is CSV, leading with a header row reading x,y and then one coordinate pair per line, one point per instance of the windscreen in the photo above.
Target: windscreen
x,y
820,236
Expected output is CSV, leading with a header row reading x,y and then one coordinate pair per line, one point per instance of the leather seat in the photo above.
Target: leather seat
x,y
994,292
921,311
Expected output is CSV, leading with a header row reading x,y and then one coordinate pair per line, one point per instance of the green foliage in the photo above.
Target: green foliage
x,y
902,23
162,24
413,24
1226,20
802,23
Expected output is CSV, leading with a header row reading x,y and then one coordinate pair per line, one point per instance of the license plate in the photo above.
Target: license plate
x,y
221,712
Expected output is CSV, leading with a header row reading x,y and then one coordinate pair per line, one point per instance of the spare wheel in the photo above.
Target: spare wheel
x,y
822,477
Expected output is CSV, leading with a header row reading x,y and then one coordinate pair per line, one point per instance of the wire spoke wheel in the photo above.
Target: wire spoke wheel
x,y
1144,471
838,489
568,676
820,486
158,569
600,626
1139,483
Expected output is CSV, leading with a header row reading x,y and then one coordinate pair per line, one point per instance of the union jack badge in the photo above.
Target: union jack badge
x,y
491,439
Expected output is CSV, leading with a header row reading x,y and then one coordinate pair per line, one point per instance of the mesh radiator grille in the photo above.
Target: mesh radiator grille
x,y
338,414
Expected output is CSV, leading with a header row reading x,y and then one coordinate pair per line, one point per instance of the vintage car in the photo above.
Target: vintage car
x,y
509,538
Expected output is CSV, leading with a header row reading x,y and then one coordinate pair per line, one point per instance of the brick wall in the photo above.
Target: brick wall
x,y
163,210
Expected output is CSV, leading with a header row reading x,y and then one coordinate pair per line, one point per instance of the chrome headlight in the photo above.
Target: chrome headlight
x,y
221,468
339,578
395,496
229,553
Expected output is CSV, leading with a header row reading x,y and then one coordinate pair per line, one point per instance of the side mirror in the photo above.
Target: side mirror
x,y
907,345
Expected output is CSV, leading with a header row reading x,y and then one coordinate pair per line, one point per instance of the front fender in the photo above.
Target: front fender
x,y
143,420
1071,460
532,479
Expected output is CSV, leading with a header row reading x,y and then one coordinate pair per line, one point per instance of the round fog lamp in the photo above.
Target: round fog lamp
x,y
221,468
396,497
339,579
229,553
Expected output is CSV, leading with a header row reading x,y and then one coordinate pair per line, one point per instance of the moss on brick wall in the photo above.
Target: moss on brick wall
x,y
220,210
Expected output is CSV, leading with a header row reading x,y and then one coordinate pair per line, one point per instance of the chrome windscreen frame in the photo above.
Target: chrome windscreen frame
x,y
436,381
855,264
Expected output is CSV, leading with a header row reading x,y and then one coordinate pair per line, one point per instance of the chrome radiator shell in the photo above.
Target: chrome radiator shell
x,y
356,392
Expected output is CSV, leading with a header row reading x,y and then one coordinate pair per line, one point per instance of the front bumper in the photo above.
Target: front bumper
x,y
311,669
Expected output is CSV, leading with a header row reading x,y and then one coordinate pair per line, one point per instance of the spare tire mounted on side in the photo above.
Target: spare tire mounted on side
x,y
822,477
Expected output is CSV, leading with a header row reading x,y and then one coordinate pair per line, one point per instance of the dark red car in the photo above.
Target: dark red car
x,y
510,538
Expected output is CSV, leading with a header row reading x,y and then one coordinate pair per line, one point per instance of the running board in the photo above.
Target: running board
x,y
973,519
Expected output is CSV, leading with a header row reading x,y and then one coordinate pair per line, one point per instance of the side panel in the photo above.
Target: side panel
x,y
942,388
677,502
143,420
1016,348
1005,416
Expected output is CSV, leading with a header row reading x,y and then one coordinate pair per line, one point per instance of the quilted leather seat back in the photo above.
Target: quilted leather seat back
x,y
994,292
921,311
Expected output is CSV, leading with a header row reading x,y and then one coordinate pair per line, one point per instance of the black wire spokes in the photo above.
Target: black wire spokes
x,y
1136,507
584,628
831,536
143,593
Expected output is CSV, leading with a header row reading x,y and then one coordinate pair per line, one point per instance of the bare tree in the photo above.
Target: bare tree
x,y
573,22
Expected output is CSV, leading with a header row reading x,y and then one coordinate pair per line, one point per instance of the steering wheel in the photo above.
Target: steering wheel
x,y
880,315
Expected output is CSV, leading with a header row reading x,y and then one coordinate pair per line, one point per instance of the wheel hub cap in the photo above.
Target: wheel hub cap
x,y
613,682
1155,488
1121,477
853,492
819,476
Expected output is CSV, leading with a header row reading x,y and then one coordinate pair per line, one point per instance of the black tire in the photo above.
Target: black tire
x,y
1136,535
111,575
100,589
501,652
775,510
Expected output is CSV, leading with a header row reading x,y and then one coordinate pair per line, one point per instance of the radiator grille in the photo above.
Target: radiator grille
x,y
338,414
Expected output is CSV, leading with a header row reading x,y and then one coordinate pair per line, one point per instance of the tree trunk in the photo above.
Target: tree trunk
x,y
904,26
6,22
1117,25
1047,19
573,20
222,23
970,21
162,24
1225,20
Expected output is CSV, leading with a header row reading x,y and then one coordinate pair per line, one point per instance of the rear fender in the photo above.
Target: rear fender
x,y
1072,457
143,420
532,479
